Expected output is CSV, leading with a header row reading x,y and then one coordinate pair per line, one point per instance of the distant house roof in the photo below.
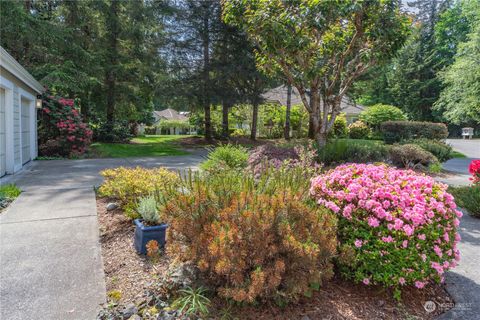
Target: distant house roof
x,y
170,114
279,95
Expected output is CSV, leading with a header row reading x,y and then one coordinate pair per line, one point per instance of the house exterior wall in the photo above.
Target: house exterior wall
x,y
15,92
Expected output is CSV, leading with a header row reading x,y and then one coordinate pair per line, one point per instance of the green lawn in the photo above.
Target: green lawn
x,y
458,154
147,146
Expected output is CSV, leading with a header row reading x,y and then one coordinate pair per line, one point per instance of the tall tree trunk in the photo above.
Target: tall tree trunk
x,y
110,75
26,42
311,134
317,122
287,113
253,132
311,130
206,74
225,108
110,83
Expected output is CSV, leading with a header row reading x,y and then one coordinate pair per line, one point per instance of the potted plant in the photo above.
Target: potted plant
x,y
148,227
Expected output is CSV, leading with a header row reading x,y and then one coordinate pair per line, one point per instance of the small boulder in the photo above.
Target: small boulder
x,y
112,206
135,317
129,311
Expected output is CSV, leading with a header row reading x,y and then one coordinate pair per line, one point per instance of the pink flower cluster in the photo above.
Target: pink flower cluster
x,y
64,123
394,210
474,169
66,102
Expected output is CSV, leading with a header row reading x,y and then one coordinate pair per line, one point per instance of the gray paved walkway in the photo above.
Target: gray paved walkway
x,y
50,256
463,282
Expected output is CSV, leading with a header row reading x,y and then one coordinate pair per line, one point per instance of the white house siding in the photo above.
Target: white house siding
x,y
25,129
17,147
3,140
19,90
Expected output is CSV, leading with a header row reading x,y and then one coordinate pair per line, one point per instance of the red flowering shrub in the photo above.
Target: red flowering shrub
x,y
474,169
62,131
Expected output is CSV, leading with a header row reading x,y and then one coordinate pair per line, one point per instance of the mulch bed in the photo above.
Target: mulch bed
x,y
339,299
131,274
125,270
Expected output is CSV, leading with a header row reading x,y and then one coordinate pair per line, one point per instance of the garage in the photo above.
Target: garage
x,y
3,146
18,115
26,130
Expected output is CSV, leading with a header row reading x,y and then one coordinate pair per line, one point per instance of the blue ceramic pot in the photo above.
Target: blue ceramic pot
x,y
144,233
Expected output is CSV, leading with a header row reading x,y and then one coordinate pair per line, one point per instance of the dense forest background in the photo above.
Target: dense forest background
x,y
122,59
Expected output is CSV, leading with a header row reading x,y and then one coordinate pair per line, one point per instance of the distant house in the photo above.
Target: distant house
x,y
279,96
170,121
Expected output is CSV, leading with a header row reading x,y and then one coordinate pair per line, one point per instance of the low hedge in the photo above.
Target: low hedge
x,y
411,156
396,131
439,149
348,150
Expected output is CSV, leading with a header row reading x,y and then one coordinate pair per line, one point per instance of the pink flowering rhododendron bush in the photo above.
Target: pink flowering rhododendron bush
x,y
396,227
61,130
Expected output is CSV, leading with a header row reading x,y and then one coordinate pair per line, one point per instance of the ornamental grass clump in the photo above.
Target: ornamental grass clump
x,y
128,185
226,157
252,239
395,228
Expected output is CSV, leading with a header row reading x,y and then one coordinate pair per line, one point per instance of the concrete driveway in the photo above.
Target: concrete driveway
x,y
50,255
459,166
463,282
470,148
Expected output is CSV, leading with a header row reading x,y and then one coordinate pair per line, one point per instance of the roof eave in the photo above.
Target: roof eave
x,y
15,68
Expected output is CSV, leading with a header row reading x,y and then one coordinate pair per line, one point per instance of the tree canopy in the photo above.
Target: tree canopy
x,y
320,46
416,79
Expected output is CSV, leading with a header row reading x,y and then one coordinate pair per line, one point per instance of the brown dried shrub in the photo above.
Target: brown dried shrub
x,y
252,245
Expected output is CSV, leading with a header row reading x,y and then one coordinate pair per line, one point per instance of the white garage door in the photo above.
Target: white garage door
x,y
25,131
3,144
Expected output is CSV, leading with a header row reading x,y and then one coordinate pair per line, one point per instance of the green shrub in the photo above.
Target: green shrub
x,y
239,133
253,238
435,167
128,185
410,156
344,150
147,208
396,131
166,124
339,129
467,197
9,191
359,130
377,114
150,130
226,157
439,149
117,132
